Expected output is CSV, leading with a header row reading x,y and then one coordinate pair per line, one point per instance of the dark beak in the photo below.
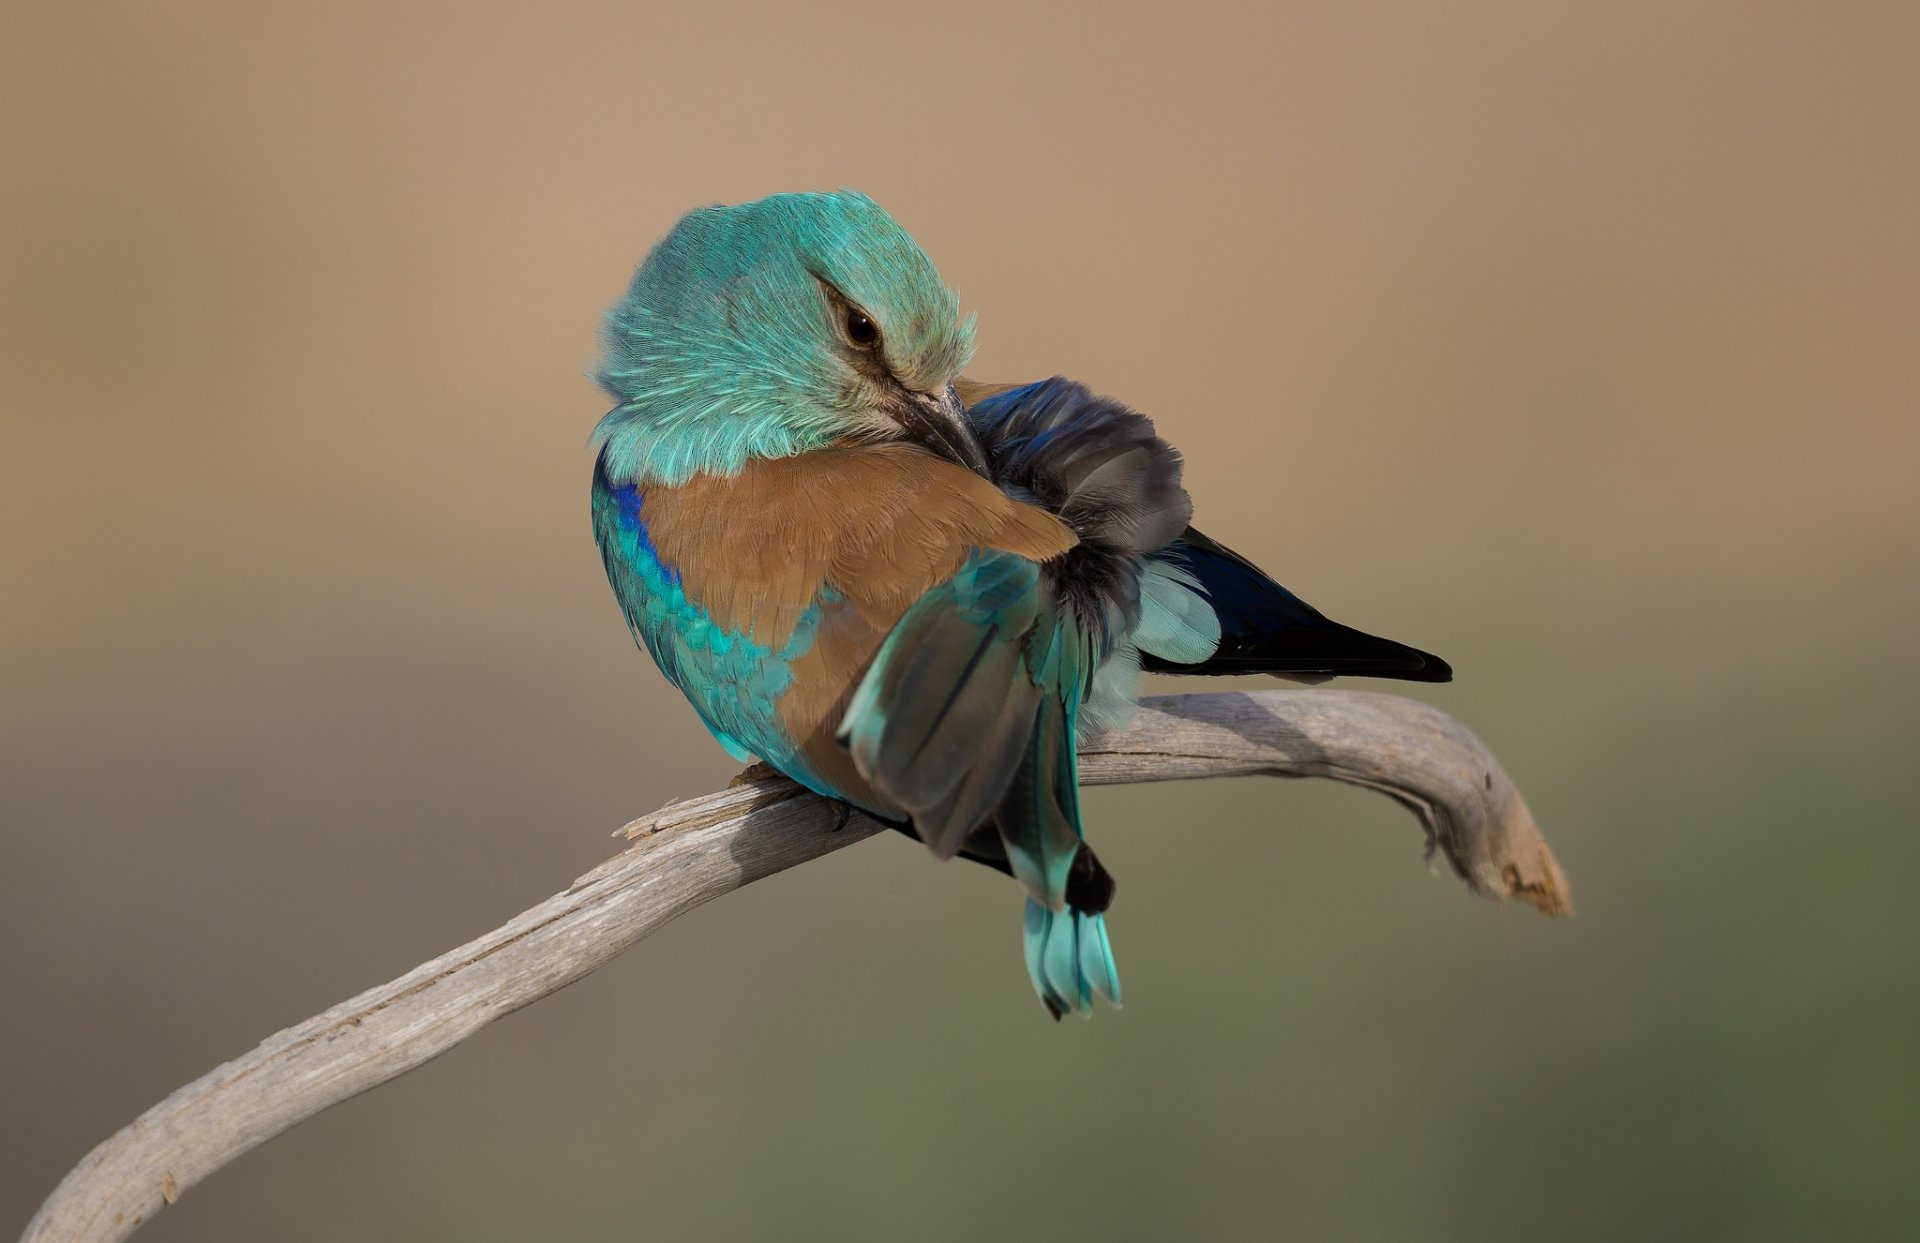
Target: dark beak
x,y
939,424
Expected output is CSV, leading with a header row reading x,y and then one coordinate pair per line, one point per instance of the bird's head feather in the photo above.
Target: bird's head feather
x,y
776,327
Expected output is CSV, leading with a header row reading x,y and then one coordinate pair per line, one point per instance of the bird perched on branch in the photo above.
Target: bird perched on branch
x,y
906,591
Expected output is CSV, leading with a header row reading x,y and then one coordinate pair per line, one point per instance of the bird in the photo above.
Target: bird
x,y
911,592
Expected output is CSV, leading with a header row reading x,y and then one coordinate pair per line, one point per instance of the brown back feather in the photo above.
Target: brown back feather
x,y
881,523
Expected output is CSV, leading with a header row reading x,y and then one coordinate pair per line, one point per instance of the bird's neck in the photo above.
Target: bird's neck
x,y
650,446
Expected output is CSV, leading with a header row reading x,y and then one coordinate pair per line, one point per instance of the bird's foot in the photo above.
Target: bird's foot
x,y
759,770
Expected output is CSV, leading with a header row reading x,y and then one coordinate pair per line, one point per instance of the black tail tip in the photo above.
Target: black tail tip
x,y
1090,886
1430,669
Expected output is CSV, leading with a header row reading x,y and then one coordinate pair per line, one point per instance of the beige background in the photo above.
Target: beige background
x,y
1573,342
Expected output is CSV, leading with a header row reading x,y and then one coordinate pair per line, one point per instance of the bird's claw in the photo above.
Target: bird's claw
x,y
759,770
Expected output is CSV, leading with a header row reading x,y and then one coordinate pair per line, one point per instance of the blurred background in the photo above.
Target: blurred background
x,y
1575,343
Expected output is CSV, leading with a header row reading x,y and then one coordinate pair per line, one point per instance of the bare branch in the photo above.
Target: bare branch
x,y
693,851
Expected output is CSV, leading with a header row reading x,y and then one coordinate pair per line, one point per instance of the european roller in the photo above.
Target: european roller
x,y
908,591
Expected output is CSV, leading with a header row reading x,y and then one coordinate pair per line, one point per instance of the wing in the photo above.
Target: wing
x,y
976,695
1188,604
968,718
1264,628
969,690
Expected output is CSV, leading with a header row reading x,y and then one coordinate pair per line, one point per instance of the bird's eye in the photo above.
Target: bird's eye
x,y
862,331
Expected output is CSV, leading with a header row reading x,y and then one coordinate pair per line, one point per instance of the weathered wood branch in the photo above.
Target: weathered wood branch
x,y
692,852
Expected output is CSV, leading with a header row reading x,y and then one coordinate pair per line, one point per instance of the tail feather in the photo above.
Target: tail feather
x,y
1070,959
1039,819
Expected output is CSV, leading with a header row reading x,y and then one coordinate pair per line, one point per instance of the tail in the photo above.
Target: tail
x,y
1068,953
1264,628
1038,826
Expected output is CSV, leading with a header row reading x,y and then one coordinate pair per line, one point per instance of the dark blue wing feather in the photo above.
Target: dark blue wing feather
x,y
1264,628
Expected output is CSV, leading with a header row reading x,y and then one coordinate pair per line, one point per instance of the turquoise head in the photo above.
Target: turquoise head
x,y
778,327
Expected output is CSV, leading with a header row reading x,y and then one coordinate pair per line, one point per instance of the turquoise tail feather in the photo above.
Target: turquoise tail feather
x,y
1070,959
